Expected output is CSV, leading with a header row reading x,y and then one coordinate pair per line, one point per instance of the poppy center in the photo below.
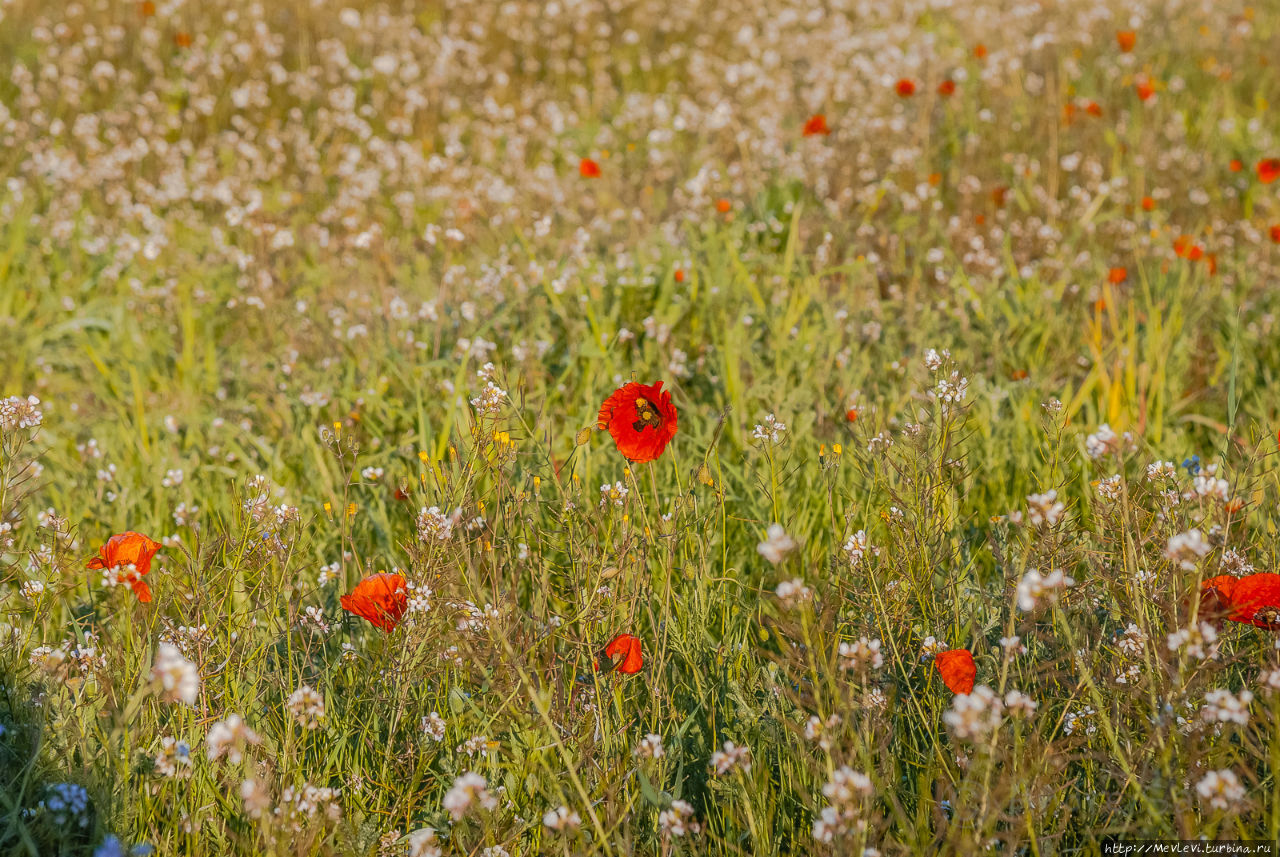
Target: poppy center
x,y
646,415
1269,615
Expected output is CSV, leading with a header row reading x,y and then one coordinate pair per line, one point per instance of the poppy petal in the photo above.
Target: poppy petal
x,y
957,670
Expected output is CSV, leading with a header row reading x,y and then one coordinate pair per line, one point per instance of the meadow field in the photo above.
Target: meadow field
x,y
342,513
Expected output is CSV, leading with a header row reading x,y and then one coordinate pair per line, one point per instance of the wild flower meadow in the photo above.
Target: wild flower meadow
x,y
586,427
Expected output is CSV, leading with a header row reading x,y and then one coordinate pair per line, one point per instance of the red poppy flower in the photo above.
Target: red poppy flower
x,y
641,419
957,670
626,645
1255,600
905,87
383,599
1148,204
679,275
980,51
947,87
128,557
816,124
1126,39
723,206
1275,233
1236,165
588,169
1268,170
1116,276
1145,88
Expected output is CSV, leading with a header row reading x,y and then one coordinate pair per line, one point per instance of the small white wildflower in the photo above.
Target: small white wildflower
x,y
792,593
1187,549
177,676
1045,510
433,726
777,544
860,655
562,820
1035,589
230,737
467,790
974,715
306,706
730,758
677,820
650,747
1221,790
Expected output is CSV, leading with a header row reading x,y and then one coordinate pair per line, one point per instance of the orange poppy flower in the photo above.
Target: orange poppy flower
x,y
127,556
905,87
679,275
1117,275
1185,248
1275,233
723,206
382,598
1268,170
1126,39
1236,165
1148,204
816,124
980,51
626,645
1094,109
641,419
1145,88
588,169
146,8
947,87
182,39
957,670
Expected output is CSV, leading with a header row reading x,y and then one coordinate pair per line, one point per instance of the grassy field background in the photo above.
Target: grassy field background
x,y
258,259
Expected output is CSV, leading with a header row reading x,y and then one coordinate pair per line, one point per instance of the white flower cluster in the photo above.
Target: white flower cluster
x,y
17,413
230,737
1223,706
771,431
306,706
777,544
436,526
861,655
846,794
1036,589
178,677
1187,549
467,791
731,758
677,821
1221,790
792,593
856,548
